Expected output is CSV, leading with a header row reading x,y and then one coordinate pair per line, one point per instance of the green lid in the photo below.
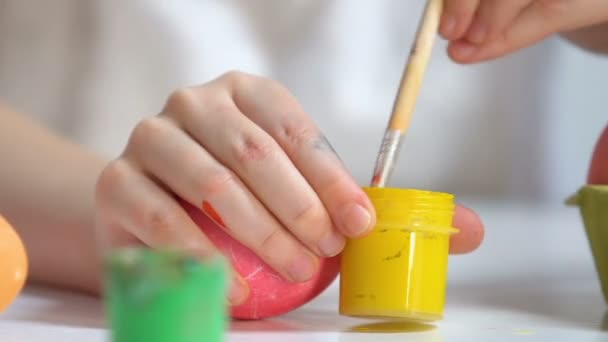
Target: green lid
x,y
156,296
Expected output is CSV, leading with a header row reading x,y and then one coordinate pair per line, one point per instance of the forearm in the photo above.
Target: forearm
x,y
46,191
592,38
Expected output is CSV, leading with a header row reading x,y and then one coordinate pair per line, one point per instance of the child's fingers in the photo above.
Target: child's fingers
x,y
535,22
471,231
493,17
528,28
456,18
598,171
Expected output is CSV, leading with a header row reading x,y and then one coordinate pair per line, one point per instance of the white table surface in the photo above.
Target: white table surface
x,y
533,280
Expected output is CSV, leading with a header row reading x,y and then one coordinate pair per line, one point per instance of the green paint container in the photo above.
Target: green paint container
x,y
160,296
593,203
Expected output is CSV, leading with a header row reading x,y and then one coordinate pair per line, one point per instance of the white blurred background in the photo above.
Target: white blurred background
x,y
519,128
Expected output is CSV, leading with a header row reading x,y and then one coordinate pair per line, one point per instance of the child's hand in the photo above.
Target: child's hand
x,y
243,150
485,29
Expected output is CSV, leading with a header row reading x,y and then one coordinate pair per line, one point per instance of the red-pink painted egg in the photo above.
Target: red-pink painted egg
x,y
269,294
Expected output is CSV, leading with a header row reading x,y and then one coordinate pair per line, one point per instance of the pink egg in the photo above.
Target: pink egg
x,y
270,295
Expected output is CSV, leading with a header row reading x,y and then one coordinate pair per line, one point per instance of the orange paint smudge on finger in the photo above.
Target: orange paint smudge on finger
x,y
213,215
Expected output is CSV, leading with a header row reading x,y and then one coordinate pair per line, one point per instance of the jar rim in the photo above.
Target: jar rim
x,y
407,193
415,229
423,210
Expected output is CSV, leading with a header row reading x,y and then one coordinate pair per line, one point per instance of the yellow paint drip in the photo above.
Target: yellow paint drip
x,y
400,268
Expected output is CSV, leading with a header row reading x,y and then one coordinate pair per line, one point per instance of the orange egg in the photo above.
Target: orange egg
x,y
13,264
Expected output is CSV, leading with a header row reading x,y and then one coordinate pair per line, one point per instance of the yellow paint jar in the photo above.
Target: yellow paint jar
x,y
400,268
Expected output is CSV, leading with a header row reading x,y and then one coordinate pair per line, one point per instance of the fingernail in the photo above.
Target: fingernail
x,y
357,220
331,244
302,267
448,26
238,291
478,33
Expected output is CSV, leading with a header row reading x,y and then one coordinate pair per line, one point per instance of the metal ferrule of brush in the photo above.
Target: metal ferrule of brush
x,y
386,157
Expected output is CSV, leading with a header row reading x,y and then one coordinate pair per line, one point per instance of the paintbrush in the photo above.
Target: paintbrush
x,y
409,88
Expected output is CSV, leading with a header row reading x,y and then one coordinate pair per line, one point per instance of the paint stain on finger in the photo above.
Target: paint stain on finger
x,y
212,214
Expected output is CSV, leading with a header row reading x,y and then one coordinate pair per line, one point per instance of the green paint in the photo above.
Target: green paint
x,y
593,203
156,296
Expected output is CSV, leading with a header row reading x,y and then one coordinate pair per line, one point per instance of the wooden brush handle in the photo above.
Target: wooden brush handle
x,y
408,92
416,66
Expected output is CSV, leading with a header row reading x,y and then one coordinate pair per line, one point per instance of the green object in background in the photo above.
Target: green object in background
x,y
160,296
593,203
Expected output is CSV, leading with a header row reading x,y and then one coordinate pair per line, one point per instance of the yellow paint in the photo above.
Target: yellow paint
x,y
523,332
400,268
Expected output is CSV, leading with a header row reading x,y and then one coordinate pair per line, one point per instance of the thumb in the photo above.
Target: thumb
x,y
598,170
